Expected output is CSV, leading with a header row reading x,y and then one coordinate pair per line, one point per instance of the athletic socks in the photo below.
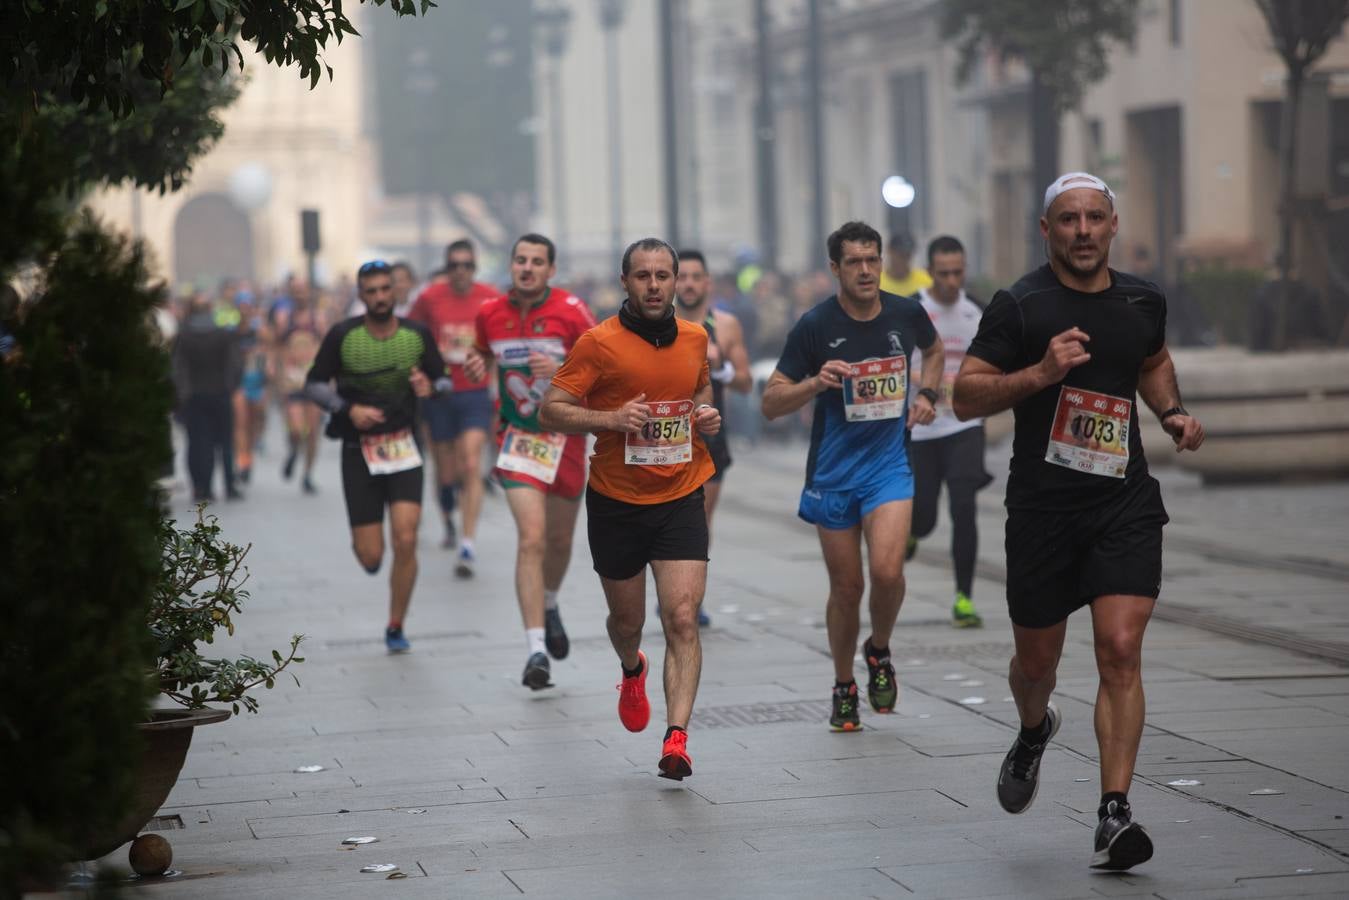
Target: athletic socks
x,y
877,653
550,599
1037,735
534,637
632,673
1122,800
843,686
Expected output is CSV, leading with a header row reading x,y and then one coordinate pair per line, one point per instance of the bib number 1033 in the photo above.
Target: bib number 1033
x,y
1090,433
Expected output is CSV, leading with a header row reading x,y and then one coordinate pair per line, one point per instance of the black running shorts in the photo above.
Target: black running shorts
x,y
367,494
1058,562
720,450
624,537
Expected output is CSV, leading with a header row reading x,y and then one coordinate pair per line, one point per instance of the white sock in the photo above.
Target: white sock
x,y
550,599
466,544
534,638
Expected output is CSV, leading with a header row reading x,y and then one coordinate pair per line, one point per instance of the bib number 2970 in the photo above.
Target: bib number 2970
x,y
876,389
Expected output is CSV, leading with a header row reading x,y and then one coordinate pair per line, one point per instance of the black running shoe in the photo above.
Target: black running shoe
x,y
1121,843
844,717
288,470
1019,776
882,689
538,674
554,635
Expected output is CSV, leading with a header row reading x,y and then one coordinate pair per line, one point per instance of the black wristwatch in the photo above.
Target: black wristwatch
x,y
931,395
1173,411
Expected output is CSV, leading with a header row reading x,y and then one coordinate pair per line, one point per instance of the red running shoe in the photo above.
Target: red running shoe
x,y
634,710
674,757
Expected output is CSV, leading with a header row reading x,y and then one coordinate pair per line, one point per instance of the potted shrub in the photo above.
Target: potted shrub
x,y
199,591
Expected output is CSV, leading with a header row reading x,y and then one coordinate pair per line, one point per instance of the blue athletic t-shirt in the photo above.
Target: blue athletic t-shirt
x,y
849,455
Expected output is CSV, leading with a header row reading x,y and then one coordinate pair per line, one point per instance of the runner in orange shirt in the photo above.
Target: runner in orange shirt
x,y
640,381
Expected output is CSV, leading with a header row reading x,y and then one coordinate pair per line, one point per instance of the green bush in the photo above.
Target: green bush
x,y
1226,296
85,410
201,588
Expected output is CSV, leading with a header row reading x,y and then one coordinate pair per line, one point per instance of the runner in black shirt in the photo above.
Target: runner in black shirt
x,y
1067,348
380,363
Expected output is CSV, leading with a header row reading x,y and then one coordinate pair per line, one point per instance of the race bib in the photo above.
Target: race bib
x,y
667,437
876,389
534,453
388,453
1090,433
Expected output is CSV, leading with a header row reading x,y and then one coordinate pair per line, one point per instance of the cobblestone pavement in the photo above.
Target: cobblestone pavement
x,y
476,787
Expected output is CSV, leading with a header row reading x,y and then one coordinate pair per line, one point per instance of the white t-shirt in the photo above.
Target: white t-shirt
x,y
957,324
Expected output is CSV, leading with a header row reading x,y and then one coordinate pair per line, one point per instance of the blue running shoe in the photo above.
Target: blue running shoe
x,y
395,641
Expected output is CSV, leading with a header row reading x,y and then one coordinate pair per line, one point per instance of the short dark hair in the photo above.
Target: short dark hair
x,y
857,232
406,267
535,238
943,244
902,240
649,243
461,244
693,256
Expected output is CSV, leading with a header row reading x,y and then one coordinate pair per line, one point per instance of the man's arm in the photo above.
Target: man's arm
x,y
1159,389
563,412
732,339
922,411
982,389
782,396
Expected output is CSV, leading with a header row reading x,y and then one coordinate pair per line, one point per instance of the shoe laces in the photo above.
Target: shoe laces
x,y
677,740
1025,757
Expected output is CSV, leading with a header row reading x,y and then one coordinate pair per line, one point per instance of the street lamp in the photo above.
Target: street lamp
x,y
611,18
554,22
897,192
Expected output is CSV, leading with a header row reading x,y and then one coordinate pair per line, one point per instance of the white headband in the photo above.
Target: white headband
x,y
1072,181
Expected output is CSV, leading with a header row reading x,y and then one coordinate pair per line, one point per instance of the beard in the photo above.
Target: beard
x,y
1065,259
683,304
379,315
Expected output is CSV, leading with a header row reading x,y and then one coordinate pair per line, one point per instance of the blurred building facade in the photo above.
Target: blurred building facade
x,y
286,148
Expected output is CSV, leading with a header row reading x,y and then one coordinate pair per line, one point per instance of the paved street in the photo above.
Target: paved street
x,y
477,788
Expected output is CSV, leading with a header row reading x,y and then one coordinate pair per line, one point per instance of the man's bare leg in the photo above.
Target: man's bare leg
x,y
404,518
680,585
842,550
468,464
1118,623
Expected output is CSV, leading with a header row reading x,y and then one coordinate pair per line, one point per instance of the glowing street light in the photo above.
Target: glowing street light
x,y
897,192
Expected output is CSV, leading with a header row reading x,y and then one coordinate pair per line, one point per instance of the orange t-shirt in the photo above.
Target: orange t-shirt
x,y
610,366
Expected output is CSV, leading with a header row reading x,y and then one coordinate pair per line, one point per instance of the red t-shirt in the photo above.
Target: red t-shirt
x,y
511,335
450,317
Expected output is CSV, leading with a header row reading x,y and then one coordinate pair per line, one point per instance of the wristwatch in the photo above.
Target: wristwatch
x,y
931,395
1173,411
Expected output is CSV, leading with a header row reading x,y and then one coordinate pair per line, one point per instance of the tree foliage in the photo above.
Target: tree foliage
x,y
1065,43
99,49
85,408
1301,30
154,147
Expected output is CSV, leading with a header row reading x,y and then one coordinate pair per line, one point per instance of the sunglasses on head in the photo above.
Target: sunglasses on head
x,y
374,267
452,266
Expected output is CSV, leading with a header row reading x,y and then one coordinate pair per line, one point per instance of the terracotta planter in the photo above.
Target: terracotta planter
x,y
167,736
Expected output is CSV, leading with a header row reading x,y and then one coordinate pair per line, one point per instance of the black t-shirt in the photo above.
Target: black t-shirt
x,y
374,372
1082,465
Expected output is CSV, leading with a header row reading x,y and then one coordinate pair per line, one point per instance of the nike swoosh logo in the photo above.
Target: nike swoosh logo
x,y
1129,299
836,341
